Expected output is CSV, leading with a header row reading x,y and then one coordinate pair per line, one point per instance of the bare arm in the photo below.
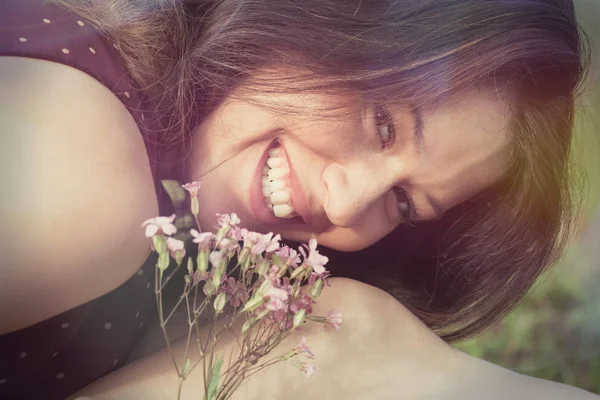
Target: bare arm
x,y
479,379
366,359
76,182
382,352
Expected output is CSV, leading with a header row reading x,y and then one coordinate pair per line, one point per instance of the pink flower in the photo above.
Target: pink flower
x,y
235,291
192,188
216,257
228,245
235,233
289,255
204,239
272,276
307,369
303,348
176,247
250,238
302,301
227,219
277,298
160,224
334,320
266,243
314,259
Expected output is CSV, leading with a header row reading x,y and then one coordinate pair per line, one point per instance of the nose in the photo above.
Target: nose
x,y
349,190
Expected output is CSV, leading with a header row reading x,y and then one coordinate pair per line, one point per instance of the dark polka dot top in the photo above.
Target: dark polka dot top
x,y
56,357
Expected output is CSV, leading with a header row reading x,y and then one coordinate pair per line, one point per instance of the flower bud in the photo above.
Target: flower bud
x,y
209,288
179,256
253,303
275,259
262,287
244,254
195,206
190,266
263,267
219,302
298,271
163,261
202,261
160,244
299,318
221,233
315,291
216,278
283,270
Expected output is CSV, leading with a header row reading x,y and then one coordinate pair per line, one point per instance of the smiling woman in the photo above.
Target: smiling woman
x,y
347,121
351,181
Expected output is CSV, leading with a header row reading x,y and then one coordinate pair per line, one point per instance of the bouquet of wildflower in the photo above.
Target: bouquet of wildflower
x,y
271,288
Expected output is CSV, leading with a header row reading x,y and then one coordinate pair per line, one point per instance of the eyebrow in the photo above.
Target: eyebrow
x,y
419,146
418,138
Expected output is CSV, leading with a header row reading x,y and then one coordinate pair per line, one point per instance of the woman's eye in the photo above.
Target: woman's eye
x,y
384,123
404,205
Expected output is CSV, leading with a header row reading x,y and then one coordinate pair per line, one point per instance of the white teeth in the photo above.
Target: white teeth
x,y
275,162
283,210
274,185
275,152
280,197
275,173
266,192
277,185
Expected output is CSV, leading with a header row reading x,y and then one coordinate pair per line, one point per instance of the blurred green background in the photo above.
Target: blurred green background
x,y
555,333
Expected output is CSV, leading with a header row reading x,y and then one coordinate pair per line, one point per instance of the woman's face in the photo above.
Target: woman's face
x,y
347,182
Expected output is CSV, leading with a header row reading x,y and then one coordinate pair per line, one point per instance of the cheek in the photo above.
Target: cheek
x,y
350,239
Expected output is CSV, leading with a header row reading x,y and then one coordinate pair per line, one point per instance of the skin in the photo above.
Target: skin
x,y
346,175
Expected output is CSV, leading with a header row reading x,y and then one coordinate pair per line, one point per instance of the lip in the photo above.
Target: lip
x,y
257,203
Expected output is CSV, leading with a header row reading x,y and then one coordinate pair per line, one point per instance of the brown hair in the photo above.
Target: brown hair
x,y
460,274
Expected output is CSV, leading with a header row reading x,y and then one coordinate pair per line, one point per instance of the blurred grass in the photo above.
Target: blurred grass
x,y
555,333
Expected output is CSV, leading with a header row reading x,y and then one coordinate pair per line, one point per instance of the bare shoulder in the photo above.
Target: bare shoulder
x,y
76,184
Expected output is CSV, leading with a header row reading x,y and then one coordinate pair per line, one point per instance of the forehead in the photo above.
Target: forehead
x,y
467,145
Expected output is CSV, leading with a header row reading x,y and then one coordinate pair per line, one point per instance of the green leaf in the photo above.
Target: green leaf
x,y
186,367
213,385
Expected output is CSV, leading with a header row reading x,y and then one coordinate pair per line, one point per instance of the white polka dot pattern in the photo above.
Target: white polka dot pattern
x,y
68,39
